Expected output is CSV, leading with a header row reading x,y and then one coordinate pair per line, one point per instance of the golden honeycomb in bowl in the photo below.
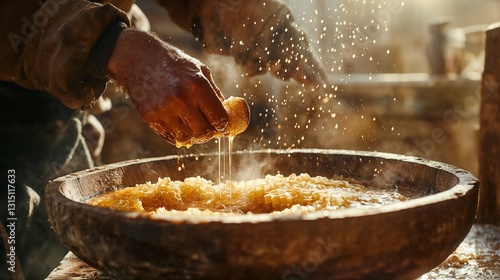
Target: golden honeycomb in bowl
x,y
275,194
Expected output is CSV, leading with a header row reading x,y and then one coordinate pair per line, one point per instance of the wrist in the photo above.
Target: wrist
x,y
103,48
128,53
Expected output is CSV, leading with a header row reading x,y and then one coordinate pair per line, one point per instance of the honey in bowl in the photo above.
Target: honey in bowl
x,y
277,195
274,194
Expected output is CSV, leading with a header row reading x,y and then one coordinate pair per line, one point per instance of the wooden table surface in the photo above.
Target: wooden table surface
x,y
478,257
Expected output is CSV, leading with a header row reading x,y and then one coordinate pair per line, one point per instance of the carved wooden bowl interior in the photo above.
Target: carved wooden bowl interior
x,y
398,241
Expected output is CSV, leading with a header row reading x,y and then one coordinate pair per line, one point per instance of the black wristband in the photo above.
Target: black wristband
x,y
103,48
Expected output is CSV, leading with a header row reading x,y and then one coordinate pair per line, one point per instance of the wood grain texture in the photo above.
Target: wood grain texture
x,y
489,154
399,241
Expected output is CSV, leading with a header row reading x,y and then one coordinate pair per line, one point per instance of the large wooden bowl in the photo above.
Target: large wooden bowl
x,y
398,241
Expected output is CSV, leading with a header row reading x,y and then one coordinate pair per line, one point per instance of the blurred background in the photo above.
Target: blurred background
x,y
405,78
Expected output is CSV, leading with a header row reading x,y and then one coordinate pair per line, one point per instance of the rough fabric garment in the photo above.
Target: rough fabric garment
x,y
261,35
49,46
40,139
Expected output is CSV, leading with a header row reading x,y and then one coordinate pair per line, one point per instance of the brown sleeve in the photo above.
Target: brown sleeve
x,y
56,46
239,28
183,12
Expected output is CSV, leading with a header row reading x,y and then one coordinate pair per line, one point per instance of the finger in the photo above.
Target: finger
x,y
309,75
312,69
200,129
161,129
180,132
210,104
190,125
215,114
166,122
208,75
295,59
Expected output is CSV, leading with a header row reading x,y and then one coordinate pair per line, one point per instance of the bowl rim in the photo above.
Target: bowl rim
x,y
466,183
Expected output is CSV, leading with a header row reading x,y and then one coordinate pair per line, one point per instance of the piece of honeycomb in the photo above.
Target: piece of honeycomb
x,y
294,194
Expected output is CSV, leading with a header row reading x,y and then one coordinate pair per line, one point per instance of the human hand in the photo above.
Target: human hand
x,y
288,55
174,93
261,35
